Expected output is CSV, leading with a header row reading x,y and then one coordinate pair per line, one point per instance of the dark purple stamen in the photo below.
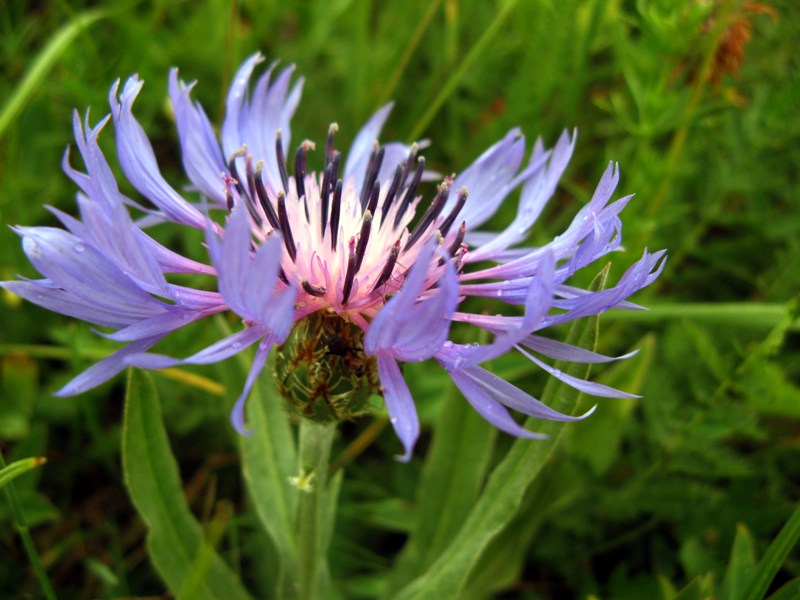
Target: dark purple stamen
x,y
313,290
336,207
286,230
430,215
300,169
387,202
444,228
462,231
351,272
363,239
409,193
330,175
263,199
281,158
251,189
389,266
373,167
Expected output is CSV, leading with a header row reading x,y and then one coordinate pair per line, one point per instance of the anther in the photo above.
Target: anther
x,y
313,290
410,191
388,268
281,158
263,199
286,230
336,207
332,131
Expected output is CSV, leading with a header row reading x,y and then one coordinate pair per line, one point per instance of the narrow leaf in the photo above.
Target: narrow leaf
x,y
43,63
740,566
777,552
175,539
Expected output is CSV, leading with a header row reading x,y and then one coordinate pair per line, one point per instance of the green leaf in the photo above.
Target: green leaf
x,y
269,460
788,591
175,539
504,491
773,559
699,588
19,467
740,566
450,483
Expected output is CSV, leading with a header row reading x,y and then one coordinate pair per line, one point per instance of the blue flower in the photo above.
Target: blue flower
x,y
348,243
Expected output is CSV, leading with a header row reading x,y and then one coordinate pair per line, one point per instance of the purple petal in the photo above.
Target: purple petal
x,y
202,159
488,179
138,161
57,300
358,157
106,369
490,409
399,403
412,328
567,352
513,397
237,414
587,387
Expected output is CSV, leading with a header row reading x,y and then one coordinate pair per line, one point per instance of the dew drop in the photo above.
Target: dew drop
x,y
31,248
499,293
556,372
236,345
457,363
78,247
448,344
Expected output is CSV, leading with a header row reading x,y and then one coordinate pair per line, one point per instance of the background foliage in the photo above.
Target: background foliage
x,y
700,103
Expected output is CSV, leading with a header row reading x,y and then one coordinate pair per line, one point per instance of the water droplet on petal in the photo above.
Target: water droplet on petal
x,y
236,345
31,248
78,247
557,372
499,293
448,344
457,363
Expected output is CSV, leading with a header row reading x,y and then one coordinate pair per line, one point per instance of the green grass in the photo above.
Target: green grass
x,y
646,489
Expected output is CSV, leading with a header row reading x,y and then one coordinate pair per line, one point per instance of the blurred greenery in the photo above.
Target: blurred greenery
x,y
699,101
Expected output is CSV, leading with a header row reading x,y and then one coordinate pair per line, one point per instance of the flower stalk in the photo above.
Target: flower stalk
x,y
312,482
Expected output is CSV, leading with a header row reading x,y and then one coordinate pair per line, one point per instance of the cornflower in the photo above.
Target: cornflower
x,y
347,271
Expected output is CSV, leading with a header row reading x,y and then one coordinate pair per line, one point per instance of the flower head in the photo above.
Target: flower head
x,y
349,269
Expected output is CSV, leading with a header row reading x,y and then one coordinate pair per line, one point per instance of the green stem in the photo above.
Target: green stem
x,y
27,540
455,79
754,315
315,452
